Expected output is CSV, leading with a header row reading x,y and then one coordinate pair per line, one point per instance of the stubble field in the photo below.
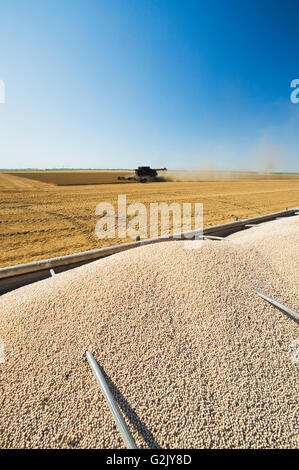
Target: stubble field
x,y
47,214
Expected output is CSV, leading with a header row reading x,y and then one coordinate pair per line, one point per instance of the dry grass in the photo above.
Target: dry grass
x,y
40,220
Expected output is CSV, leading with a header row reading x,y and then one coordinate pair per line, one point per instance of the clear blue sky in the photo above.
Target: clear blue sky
x,y
175,83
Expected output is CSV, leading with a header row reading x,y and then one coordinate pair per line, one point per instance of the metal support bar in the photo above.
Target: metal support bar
x,y
119,420
283,307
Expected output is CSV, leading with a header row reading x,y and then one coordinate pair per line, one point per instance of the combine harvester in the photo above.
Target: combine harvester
x,y
144,174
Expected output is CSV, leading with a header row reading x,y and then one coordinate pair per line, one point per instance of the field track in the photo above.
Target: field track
x,y
41,220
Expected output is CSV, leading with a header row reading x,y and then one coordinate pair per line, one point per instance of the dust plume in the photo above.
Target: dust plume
x,y
269,155
200,175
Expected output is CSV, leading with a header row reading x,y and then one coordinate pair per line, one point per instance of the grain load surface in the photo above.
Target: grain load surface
x,y
278,248
193,356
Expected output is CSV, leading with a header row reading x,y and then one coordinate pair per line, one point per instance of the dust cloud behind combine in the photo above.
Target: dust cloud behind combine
x,y
219,175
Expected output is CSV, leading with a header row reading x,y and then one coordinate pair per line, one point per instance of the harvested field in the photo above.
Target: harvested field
x,y
194,357
73,177
41,220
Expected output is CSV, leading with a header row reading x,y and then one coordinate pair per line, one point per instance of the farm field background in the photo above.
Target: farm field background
x,y
52,213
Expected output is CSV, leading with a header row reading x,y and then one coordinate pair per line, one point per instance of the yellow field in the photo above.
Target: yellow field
x,y
41,220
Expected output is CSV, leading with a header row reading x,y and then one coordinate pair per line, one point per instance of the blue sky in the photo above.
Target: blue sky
x,y
176,83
